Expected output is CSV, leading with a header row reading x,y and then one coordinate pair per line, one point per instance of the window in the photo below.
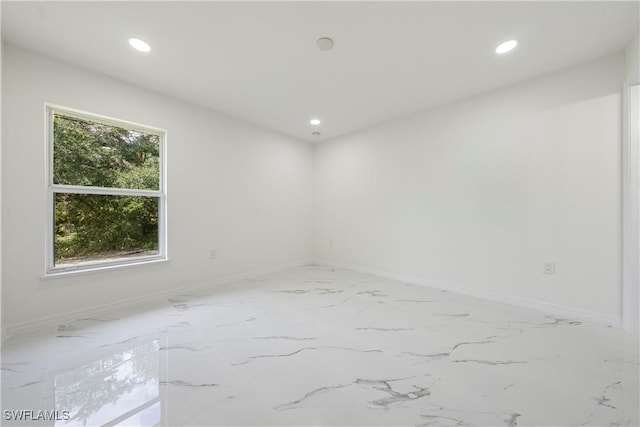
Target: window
x,y
106,192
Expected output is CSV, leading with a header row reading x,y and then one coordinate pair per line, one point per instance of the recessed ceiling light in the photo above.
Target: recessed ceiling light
x,y
315,122
324,43
506,46
140,45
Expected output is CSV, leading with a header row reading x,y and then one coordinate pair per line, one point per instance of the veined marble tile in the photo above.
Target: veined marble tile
x,y
324,346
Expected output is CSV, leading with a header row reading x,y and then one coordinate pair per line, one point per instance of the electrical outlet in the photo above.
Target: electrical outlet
x,y
213,254
330,242
549,267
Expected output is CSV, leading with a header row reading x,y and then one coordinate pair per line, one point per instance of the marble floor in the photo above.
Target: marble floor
x,y
323,346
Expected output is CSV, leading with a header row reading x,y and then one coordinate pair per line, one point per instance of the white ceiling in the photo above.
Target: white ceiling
x,y
259,62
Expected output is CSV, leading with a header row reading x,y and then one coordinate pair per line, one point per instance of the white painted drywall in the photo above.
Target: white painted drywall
x,y
240,189
631,190
631,206
481,192
2,323
632,58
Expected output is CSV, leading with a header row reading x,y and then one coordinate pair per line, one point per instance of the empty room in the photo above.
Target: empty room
x,y
320,213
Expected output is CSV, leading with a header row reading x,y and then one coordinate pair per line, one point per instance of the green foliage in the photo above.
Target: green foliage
x,y
98,155
93,154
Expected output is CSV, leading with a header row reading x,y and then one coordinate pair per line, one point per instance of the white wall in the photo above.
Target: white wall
x,y
481,192
2,329
631,189
632,54
232,186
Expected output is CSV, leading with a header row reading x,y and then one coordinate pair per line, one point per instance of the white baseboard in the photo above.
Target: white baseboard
x,y
50,321
545,307
558,310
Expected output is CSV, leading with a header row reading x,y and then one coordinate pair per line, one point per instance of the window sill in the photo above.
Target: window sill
x,y
97,268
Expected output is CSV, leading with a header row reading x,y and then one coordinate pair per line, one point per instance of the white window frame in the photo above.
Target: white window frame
x,y
52,189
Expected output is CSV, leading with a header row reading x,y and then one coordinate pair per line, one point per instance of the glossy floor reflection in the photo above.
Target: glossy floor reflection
x,y
323,346
124,384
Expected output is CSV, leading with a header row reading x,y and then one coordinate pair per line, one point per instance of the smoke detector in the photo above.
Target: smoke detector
x,y
324,43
